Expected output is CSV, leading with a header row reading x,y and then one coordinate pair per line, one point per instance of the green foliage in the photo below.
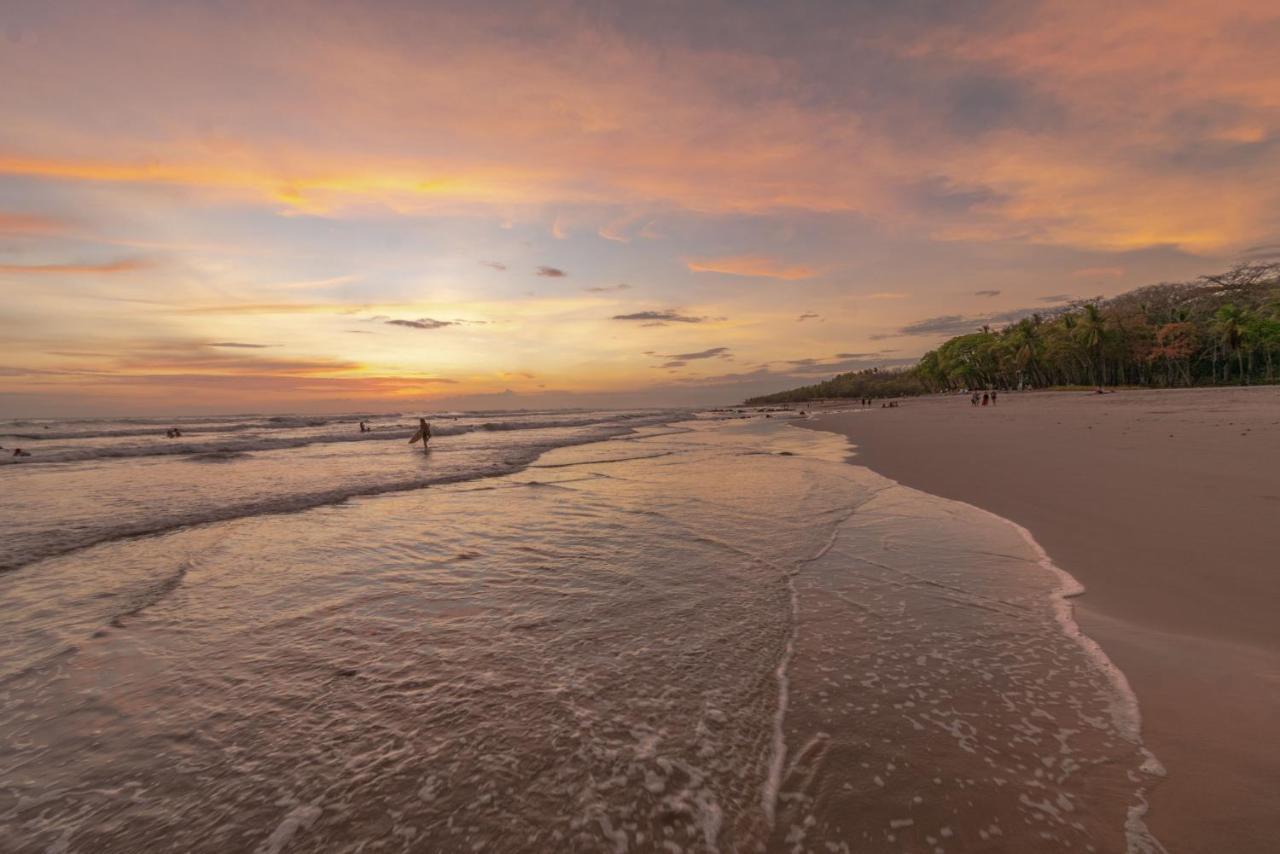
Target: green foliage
x,y
872,382
1216,330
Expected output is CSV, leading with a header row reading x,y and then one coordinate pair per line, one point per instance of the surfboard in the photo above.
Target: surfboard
x,y
416,436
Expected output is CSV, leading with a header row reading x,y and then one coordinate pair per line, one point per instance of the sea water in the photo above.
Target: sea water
x,y
599,632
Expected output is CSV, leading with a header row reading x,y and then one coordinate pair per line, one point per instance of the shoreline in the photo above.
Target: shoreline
x,y
1127,714
1157,503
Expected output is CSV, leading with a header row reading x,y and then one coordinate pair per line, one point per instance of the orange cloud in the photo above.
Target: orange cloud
x,y
126,265
609,119
1084,124
1098,273
230,388
272,308
27,224
605,116
306,185
177,364
752,265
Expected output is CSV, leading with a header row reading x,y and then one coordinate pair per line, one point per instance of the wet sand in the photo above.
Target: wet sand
x,y
695,637
1166,506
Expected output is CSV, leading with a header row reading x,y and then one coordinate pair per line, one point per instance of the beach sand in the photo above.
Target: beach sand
x,y
1166,506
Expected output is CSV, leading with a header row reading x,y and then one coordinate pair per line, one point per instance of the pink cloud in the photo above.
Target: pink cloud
x,y
754,266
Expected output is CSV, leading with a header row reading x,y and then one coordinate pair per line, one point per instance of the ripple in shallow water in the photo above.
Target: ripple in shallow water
x,y
591,663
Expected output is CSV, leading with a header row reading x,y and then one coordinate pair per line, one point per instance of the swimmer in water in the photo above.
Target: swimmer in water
x,y
18,452
424,433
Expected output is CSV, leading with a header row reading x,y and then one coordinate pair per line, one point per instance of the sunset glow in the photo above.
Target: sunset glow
x,y
378,205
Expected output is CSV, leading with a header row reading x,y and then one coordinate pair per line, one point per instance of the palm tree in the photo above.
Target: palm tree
x,y
1264,332
1026,344
1230,322
1092,330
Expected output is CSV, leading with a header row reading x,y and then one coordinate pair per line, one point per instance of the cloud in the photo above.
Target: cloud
x,y
808,315
891,143
125,265
752,265
420,323
240,345
316,284
551,272
984,103
713,353
942,196
604,289
272,308
886,295
947,324
171,357
614,231
676,363
497,265
176,364
802,370
959,324
1263,252
29,224
283,379
1098,273
51,372
666,316
843,109
987,293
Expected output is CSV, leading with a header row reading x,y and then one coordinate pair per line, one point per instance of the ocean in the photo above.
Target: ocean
x,y
557,631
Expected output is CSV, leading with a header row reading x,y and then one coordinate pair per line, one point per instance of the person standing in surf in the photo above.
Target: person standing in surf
x,y
424,433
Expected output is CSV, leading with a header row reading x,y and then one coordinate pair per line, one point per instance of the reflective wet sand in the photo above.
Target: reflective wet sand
x,y
710,637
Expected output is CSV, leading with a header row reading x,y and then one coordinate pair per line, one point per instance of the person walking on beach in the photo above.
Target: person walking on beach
x,y
993,398
424,433
985,398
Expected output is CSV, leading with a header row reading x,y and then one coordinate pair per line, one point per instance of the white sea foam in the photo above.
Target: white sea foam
x,y
778,751
1125,712
616,661
99,491
299,818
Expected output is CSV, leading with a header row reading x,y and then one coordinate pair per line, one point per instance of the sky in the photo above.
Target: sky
x,y
395,206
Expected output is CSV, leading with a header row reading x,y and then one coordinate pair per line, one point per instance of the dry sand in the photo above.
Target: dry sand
x,y
1166,506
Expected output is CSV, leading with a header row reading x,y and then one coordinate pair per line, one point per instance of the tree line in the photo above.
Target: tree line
x,y
1216,330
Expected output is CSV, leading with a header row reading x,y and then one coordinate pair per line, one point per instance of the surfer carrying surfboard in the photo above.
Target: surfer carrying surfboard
x,y
424,433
